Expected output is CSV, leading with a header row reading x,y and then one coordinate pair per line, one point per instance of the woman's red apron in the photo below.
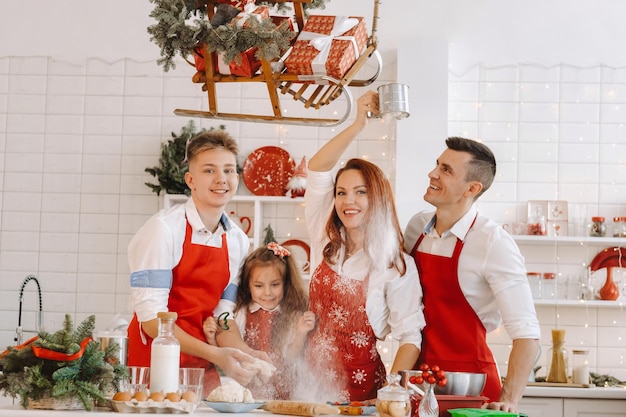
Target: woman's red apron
x,y
454,337
258,335
342,347
198,282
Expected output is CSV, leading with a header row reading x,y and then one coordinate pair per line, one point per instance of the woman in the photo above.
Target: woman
x,y
365,286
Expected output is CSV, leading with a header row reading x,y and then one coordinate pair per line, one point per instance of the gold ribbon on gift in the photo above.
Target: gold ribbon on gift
x,y
323,43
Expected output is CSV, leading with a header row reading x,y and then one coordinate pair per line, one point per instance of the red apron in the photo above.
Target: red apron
x,y
343,345
454,337
258,335
198,282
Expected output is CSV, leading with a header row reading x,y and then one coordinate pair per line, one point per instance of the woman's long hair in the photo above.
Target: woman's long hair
x,y
383,241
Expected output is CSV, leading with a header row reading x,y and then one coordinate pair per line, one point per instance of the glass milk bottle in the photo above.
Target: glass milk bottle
x,y
165,356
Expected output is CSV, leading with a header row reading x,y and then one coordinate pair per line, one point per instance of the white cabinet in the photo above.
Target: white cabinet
x,y
593,408
542,407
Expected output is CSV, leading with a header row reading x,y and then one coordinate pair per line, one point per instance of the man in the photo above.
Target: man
x,y
473,276
186,259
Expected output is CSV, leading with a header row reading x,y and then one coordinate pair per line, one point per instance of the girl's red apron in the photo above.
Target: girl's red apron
x,y
343,345
198,282
258,335
454,337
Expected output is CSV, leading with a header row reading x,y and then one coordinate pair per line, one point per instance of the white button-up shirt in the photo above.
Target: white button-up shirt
x,y
156,249
492,273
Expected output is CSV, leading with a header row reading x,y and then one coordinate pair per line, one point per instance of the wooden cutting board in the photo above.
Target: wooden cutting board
x,y
559,385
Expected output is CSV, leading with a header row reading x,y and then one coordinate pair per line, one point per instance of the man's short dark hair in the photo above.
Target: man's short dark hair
x,y
482,166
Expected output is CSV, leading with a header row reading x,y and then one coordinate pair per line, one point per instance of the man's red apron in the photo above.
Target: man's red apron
x,y
343,344
198,282
454,337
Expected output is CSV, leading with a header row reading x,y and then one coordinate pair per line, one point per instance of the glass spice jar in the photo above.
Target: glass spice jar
x,y
534,280
619,226
537,223
549,286
598,228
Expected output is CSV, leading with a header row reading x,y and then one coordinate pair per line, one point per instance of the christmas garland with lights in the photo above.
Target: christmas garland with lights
x,y
182,26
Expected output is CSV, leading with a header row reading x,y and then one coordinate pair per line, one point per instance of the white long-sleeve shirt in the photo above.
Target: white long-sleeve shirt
x,y
492,273
157,248
393,303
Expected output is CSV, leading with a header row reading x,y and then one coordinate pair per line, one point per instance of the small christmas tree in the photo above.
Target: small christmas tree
x,y
269,235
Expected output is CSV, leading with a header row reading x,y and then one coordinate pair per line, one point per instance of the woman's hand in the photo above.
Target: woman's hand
x,y
366,105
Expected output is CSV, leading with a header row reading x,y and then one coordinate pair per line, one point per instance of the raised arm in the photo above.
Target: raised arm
x,y
328,155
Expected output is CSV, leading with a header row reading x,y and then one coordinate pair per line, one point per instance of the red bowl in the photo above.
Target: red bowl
x,y
447,402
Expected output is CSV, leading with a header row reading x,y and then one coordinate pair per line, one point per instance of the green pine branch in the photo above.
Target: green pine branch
x,y
88,378
182,25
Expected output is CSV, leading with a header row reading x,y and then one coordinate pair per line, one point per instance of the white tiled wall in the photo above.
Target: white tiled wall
x,y
558,134
75,138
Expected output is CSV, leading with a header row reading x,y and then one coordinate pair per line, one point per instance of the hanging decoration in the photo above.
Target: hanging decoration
x,y
182,25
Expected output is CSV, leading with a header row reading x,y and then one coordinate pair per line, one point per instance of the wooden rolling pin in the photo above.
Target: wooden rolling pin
x,y
298,408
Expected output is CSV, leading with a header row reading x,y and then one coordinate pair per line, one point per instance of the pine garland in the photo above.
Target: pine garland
x,y
182,26
88,377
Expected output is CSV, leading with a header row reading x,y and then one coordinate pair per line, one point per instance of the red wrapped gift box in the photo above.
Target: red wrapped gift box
x,y
249,65
240,4
251,12
338,48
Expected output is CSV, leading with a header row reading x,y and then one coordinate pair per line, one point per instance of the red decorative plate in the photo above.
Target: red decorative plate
x,y
304,264
267,171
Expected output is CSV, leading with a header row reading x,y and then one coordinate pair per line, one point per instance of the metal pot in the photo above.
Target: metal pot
x,y
108,338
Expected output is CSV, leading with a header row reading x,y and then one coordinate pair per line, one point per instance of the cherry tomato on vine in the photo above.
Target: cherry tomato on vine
x,y
413,379
419,380
442,382
435,368
424,367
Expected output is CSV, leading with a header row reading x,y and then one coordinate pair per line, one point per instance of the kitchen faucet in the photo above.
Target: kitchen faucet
x,y
38,319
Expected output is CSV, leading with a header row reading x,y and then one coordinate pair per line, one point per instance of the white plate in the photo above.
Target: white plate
x,y
225,407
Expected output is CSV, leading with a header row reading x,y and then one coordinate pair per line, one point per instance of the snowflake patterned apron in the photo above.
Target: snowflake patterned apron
x,y
447,312
258,335
198,282
342,347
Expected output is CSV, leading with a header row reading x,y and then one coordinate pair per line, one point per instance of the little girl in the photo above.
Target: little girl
x,y
270,316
